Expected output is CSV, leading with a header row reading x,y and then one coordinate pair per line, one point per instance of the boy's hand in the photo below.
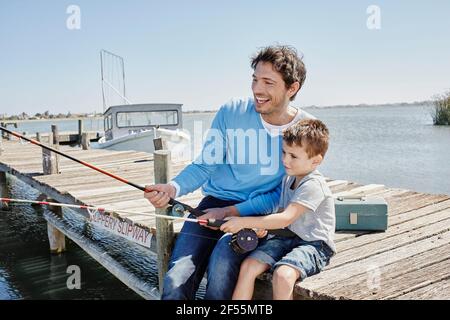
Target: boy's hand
x,y
233,225
217,213
261,233
159,194
214,213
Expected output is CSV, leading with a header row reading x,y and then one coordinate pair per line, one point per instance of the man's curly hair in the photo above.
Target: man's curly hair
x,y
286,61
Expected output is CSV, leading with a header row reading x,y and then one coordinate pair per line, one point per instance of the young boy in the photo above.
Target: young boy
x,y
307,209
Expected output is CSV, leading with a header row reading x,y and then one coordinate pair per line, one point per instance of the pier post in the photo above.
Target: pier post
x,y
3,132
80,130
55,132
3,189
38,136
49,164
85,143
164,227
55,142
2,177
56,239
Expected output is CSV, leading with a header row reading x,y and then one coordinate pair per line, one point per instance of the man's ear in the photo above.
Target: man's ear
x,y
293,88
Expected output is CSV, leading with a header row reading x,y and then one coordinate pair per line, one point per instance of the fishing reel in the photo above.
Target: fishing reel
x,y
244,241
177,210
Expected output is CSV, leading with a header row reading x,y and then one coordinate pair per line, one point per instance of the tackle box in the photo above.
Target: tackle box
x,y
361,213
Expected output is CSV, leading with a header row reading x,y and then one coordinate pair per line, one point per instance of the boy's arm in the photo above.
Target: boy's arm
x,y
261,204
270,222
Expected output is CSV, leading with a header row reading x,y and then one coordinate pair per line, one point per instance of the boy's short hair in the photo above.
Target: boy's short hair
x,y
311,133
286,61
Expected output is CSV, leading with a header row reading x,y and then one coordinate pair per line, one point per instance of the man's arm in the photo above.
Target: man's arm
x,y
197,173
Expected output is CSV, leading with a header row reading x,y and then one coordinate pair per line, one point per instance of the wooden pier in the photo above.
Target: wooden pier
x,y
64,137
411,260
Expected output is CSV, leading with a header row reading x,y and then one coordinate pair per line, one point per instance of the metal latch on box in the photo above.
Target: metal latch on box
x,y
353,218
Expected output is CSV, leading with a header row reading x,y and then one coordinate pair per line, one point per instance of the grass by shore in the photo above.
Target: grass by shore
x,y
441,109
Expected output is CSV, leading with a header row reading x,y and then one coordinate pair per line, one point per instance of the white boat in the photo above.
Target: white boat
x,y
135,126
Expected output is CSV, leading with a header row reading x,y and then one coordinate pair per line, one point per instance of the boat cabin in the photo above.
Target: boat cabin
x,y
123,120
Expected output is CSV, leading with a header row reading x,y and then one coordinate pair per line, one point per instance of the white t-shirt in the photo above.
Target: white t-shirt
x,y
275,130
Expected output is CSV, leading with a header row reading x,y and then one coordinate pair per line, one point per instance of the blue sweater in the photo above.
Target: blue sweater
x,y
239,161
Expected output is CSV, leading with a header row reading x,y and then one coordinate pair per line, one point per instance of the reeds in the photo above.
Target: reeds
x,y
440,111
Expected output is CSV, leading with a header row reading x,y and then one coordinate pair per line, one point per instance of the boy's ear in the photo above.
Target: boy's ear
x,y
317,160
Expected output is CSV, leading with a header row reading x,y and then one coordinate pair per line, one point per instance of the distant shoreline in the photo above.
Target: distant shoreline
x,y
201,112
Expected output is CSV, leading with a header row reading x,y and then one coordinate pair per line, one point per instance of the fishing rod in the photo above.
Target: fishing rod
x,y
173,202
207,222
244,241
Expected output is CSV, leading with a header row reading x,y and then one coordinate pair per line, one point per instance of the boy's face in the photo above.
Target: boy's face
x,y
296,161
269,89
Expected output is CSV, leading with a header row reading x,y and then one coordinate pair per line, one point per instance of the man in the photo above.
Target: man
x,y
240,172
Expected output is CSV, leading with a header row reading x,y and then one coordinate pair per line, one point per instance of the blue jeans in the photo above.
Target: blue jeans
x,y
196,249
308,257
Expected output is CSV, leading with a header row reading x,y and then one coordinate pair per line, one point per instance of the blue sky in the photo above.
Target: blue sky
x,y
197,52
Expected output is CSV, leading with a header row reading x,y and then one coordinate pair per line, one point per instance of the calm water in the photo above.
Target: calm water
x,y
395,146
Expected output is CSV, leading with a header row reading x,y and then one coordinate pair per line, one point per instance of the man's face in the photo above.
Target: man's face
x,y
269,89
296,161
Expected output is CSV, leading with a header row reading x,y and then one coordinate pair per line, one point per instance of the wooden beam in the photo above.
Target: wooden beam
x,y
85,142
164,227
56,238
80,130
143,288
49,162
55,142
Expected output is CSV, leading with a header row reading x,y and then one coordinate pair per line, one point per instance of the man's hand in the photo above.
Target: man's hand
x,y
159,194
233,225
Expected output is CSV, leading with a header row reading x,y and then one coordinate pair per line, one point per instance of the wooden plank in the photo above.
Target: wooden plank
x,y
415,223
368,284
407,216
368,249
436,291
416,202
129,170
332,184
76,180
345,187
360,190
415,280
308,288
